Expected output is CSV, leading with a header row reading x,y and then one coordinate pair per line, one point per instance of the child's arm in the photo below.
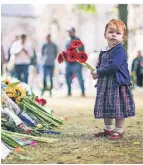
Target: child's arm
x,y
94,73
114,64
99,60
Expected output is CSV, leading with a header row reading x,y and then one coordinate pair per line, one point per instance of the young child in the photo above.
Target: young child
x,y
114,98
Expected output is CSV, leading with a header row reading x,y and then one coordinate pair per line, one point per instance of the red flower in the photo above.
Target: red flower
x,y
60,58
36,99
82,57
71,55
76,44
41,101
71,49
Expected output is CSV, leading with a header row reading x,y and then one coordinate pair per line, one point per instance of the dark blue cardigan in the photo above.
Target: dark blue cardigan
x,y
117,64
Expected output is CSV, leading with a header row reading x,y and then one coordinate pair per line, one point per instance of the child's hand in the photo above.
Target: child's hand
x,y
94,75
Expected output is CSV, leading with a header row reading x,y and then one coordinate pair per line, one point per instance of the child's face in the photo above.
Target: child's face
x,y
114,35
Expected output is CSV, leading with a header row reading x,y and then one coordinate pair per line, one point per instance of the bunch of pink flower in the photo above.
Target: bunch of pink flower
x,y
72,54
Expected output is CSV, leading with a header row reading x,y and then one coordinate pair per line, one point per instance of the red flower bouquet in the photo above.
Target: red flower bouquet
x,y
73,54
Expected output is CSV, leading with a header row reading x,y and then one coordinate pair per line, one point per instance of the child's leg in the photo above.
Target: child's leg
x,y
118,134
108,130
108,124
119,125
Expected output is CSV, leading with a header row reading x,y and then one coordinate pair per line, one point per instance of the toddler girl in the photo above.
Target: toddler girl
x,y
114,98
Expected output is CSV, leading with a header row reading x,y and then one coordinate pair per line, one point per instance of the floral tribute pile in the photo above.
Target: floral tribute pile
x,y
24,117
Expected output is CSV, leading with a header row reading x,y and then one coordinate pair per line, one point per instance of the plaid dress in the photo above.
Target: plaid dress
x,y
113,101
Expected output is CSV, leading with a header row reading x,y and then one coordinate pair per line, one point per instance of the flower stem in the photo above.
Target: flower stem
x,y
77,50
90,67
86,64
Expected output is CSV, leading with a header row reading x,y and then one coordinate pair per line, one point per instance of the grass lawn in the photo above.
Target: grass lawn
x,y
77,144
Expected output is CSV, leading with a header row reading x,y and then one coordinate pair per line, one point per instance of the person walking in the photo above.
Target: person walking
x,y
49,53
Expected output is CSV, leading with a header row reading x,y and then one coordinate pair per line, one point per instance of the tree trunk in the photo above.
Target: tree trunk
x,y
123,15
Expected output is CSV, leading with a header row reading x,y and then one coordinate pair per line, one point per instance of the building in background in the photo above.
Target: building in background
x,y
17,19
38,20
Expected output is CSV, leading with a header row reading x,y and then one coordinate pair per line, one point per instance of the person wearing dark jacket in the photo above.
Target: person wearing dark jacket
x,y
49,54
137,68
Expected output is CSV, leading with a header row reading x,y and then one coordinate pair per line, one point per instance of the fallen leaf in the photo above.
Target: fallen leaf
x,y
136,143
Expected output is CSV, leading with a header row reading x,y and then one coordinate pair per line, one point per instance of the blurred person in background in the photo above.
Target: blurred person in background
x,y
15,39
34,78
21,51
10,70
74,68
137,69
3,60
49,54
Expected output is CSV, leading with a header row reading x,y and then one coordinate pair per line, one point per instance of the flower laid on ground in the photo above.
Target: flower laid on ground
x,y
9,140
73,54
16,93
39,125
23,115
32,107
25,128
9,82
6,81
40,101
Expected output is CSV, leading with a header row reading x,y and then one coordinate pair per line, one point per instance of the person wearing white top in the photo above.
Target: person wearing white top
x,y
22,53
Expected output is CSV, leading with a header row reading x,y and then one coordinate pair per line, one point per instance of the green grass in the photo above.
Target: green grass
x,y
77,144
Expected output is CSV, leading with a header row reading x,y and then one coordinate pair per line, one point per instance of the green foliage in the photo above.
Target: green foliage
x,y
8,140
88,8
14,84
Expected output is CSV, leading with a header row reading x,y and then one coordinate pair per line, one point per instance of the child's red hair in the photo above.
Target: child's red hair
x,y
119,24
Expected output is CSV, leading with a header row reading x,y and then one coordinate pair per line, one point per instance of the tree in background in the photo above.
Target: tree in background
x,y
89,8
123,15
